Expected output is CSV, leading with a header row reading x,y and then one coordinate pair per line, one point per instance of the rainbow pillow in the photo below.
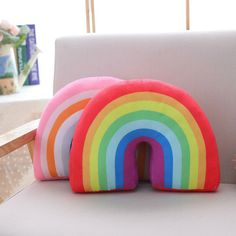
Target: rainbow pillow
x,y
57,124
184,154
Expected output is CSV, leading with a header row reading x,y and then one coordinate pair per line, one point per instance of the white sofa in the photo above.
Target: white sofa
x,y
202,63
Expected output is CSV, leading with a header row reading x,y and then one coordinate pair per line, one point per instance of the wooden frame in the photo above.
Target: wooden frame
x,y
87,15
187,15
93,16
90,16
14,139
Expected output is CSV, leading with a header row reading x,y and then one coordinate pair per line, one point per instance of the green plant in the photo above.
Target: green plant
x,y
11,34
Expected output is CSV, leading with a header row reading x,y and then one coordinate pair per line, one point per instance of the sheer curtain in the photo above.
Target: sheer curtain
x,y
213,14
143,16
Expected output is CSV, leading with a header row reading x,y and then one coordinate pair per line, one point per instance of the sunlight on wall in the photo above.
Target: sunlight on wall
x,y
139,16
213,14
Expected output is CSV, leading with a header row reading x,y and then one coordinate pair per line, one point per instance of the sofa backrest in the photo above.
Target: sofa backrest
x,y
202,63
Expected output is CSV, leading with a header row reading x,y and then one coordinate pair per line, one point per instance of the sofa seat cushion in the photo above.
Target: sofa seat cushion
x,y
50,208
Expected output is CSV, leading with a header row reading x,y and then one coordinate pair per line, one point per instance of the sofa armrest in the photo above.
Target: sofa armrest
x,y
19,137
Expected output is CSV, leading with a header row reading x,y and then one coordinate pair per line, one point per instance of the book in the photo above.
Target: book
x,y
24,53
31,46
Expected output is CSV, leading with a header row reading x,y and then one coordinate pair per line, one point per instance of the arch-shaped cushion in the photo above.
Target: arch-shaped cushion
x,y
184,151
57,124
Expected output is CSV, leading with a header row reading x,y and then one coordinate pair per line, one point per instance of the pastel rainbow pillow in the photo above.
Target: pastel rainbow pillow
x,y
183,156
57,125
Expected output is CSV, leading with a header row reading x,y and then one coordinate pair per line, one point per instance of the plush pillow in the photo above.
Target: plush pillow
x,y
184,154
57,124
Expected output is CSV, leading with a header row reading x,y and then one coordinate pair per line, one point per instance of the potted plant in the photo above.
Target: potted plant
x,y
11,37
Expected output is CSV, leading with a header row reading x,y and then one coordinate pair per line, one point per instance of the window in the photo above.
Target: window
x,y
213,14
129,16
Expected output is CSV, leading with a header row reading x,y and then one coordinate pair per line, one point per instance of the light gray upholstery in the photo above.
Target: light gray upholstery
x,y
204,64
51,209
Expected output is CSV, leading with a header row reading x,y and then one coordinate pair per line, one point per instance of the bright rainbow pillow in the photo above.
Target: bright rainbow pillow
x,y
184,153
57,124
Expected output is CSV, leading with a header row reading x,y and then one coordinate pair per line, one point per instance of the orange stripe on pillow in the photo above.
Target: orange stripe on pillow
x,y
52,136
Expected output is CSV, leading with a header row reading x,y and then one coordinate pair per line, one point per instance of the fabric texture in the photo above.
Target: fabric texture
x,y
184,155
57,124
